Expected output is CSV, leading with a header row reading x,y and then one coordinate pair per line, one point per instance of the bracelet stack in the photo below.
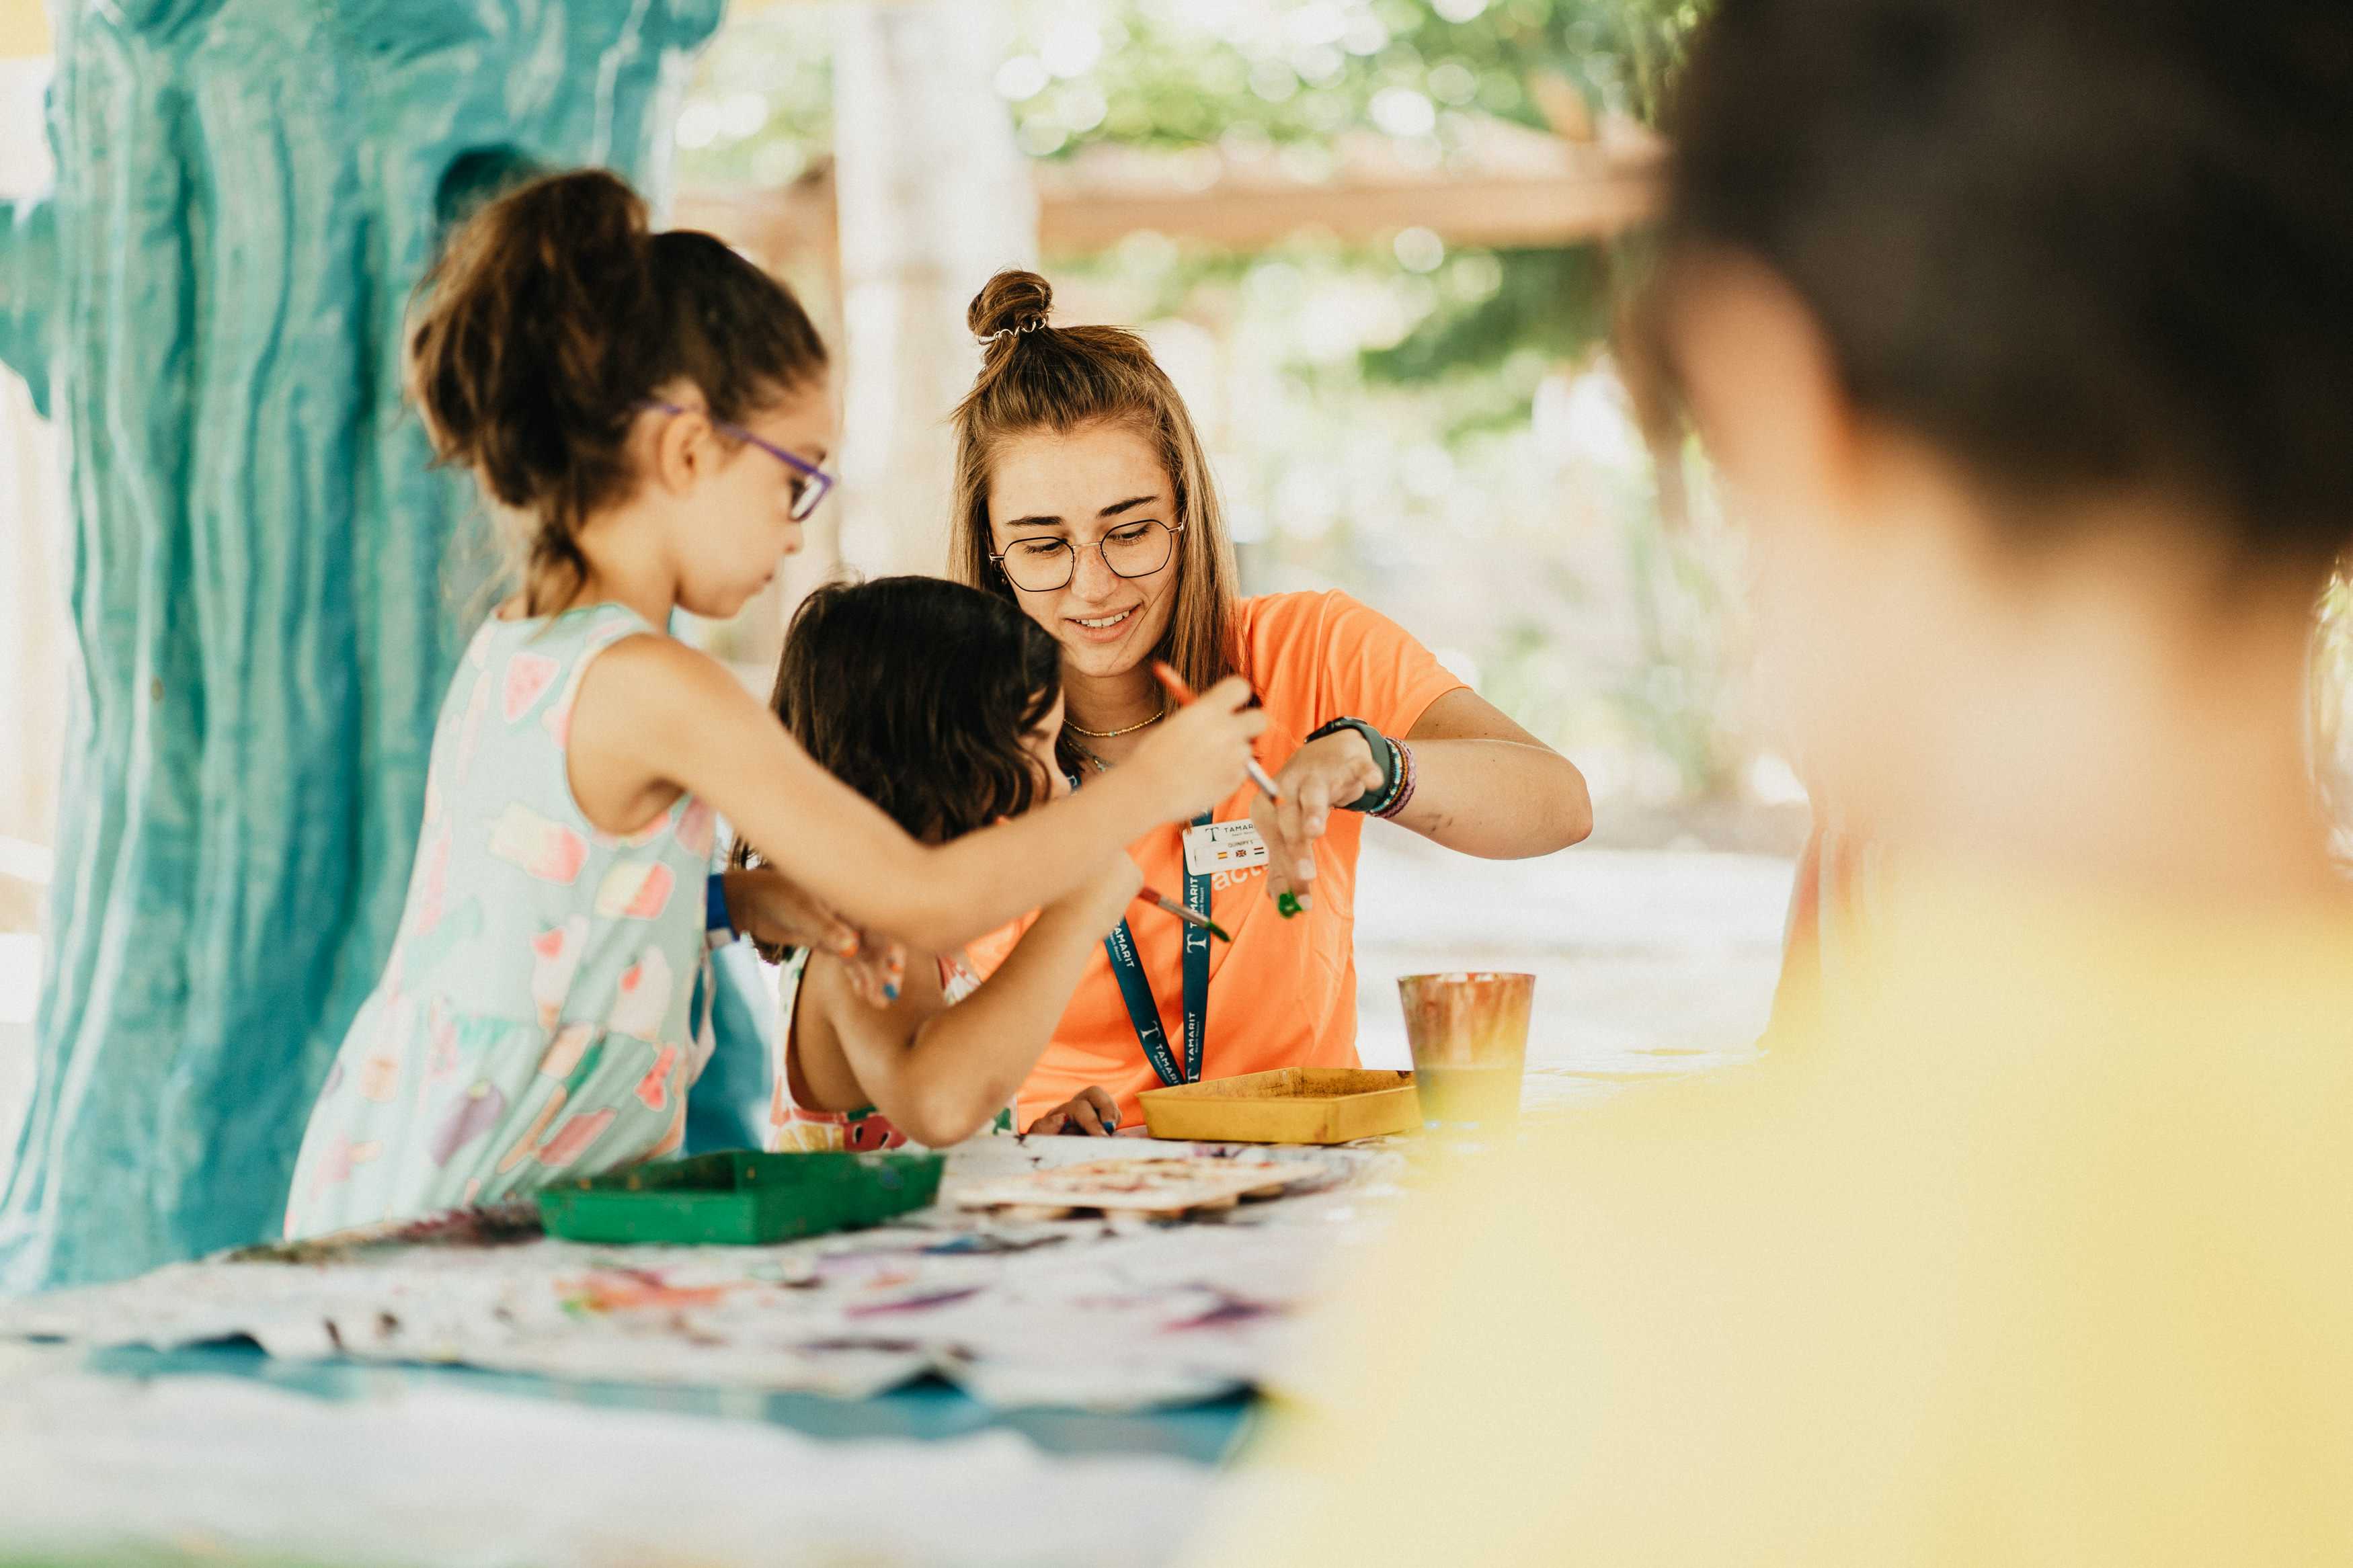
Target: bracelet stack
x,y
1402,772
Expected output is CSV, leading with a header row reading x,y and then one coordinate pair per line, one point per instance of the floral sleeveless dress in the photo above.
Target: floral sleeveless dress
x,y
532,1021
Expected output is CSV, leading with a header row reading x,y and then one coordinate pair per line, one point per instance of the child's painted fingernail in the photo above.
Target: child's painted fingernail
x,y
890,992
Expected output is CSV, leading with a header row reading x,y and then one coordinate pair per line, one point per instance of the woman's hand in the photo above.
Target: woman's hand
x,y
1090,1113
1200,753
770,907
1322,777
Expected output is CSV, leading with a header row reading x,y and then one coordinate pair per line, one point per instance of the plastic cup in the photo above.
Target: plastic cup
x,y
1469,1031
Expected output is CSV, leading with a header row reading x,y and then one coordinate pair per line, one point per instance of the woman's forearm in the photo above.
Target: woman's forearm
x,y
1498,799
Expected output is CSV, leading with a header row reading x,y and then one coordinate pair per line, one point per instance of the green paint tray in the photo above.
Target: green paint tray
x,y
741,1197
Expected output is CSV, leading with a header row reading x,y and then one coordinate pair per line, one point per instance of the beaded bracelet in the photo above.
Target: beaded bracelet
x,y
1394,771
1402,794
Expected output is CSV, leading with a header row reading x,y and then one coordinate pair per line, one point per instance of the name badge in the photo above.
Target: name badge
x,y
1223,847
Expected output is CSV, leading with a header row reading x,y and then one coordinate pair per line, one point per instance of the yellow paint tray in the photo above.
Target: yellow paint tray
x,y
1291,1105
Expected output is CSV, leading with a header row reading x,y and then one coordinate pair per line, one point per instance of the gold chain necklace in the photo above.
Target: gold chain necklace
x,y
1076,728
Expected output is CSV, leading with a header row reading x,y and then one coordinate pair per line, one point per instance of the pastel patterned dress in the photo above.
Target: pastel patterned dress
x,y
532,1021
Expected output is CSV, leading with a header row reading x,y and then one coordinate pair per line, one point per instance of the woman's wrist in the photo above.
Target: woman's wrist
x,y
1385,756
1400,794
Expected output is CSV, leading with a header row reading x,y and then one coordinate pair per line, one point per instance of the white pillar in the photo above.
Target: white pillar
x,y
935,196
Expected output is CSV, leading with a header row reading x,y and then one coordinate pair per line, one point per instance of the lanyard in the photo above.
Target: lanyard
x,y
1144,1010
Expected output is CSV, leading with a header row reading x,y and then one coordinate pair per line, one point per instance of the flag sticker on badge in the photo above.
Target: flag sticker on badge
x,y
1223,847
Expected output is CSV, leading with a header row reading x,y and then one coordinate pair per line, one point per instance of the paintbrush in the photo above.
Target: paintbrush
x,y
1159,899
1184,696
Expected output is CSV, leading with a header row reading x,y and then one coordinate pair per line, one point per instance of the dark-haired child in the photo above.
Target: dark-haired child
x,y
654,412
942,705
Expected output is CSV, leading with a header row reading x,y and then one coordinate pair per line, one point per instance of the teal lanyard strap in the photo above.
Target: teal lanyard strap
x,y
1144,1009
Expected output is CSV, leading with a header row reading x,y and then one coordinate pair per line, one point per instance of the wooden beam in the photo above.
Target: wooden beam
x,y
1489,210
1073,218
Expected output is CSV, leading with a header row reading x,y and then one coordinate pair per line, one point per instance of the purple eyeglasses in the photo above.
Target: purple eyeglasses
x,y
815,481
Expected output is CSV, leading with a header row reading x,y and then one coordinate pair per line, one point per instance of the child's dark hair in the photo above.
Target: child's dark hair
x,y
2079,245
917,693
553,315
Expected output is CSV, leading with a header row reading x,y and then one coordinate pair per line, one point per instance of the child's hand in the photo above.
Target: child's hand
x,y
1200,753
877,971
1090,1113
771,908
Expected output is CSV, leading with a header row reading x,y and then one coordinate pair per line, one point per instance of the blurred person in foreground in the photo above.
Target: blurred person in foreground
x,y
2022,331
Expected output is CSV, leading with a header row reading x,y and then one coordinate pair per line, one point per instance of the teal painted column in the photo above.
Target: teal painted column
x,y
267,583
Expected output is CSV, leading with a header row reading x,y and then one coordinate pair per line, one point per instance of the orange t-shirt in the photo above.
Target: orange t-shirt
x,y
1284,992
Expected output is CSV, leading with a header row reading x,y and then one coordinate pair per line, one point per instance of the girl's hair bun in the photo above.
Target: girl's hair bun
x,y
1012,301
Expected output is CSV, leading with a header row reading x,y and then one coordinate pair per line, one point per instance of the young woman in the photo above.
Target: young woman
x,y
1083,495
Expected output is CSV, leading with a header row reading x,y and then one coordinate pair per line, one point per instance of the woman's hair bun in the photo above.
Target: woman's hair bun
x,y
1013,300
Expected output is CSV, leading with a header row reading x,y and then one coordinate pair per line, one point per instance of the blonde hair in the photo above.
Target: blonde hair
x,y
1034,376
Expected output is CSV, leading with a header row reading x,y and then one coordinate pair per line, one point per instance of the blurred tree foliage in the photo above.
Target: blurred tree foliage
x,y
1244,75
1559,302
1178,73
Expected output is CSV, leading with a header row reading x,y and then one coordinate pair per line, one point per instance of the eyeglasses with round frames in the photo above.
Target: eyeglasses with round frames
x,y
1045,563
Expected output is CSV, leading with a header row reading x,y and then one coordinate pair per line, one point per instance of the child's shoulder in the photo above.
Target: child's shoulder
x,y
565,637
636,659
601,624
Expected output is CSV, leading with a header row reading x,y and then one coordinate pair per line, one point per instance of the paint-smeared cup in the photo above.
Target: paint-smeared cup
x,y
1469,1031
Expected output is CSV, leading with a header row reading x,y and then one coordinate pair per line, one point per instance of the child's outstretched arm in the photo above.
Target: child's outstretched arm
x,y
939,1073
653,714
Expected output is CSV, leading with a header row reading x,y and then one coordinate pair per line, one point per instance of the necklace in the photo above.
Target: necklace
x,y
1076,728
1100,766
